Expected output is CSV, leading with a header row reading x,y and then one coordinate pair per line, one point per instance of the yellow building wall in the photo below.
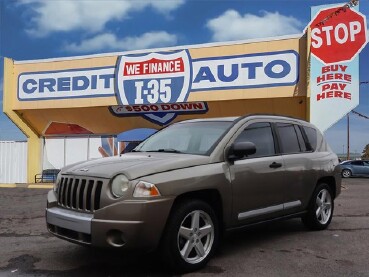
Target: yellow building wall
x,y
34,142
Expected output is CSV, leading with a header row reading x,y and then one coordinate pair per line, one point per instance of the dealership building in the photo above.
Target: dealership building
x,y
67,106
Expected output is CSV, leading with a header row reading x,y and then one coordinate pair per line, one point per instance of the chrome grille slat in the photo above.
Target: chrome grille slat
x,y
62,190
77,194
80,194
67,193
70,194
97,195
92,198
88,195
74,193
85,196
64,196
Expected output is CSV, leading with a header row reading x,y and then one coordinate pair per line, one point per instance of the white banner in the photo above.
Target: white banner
x,y
246,71
78,83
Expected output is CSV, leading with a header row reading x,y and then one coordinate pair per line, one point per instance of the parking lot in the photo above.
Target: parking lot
x,y
278,249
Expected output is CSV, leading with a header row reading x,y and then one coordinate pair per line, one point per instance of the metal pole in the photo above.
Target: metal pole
x,y
348,136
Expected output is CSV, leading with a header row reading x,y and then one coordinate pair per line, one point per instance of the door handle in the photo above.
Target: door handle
x,y
275,165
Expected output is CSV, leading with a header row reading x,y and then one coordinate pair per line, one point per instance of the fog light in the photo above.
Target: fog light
x,y
115,238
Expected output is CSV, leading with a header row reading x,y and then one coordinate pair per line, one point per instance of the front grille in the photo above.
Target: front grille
x,y
79,194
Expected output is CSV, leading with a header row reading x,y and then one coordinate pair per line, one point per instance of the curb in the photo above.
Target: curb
x,y
28,186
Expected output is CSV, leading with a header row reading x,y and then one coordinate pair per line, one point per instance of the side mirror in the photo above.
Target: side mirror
x,y
241,149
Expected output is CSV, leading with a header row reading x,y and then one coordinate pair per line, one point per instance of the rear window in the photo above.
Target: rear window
x,y
311,136
302,142
288,138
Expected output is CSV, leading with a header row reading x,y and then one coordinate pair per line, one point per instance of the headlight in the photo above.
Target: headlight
x,y
119,186
57,183
145,189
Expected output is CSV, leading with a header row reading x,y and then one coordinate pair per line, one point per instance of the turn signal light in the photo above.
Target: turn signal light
x,y
145,189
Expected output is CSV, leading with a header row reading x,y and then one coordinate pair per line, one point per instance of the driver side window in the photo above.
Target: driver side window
x,y
262,136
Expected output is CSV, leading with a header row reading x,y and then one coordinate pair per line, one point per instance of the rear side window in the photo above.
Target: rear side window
x,y
357,163
262,136
302,143
288,138
311,136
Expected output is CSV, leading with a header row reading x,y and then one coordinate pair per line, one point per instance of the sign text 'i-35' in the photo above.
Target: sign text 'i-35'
x,y
153,78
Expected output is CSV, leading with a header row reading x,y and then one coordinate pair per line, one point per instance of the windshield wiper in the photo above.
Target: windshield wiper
x,y
166,150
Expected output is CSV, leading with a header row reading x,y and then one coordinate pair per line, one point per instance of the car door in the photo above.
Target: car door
x,y
299,168
366,167
357,167
258,180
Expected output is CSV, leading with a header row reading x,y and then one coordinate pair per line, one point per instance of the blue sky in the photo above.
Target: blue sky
x,y
35,29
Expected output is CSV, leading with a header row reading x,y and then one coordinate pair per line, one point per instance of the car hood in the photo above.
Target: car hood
x,y
135,165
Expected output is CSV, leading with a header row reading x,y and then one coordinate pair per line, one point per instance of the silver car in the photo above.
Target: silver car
x,y
186,185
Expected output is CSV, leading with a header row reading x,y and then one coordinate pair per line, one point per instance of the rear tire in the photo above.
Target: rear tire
x,y
191,236
320,209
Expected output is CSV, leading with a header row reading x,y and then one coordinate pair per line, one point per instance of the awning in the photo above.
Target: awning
x,y
138,134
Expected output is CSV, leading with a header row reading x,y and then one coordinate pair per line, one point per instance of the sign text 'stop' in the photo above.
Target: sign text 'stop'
x,y
340,38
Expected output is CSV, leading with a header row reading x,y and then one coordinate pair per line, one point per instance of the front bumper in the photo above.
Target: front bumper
x,y
129,224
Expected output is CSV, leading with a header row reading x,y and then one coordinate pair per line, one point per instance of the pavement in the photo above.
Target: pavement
x,y
279,249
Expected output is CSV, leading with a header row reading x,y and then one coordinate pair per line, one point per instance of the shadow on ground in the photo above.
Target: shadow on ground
x,y
104,262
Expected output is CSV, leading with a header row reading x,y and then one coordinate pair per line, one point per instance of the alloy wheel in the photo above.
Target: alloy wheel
x,y
195,236
346,173
323,206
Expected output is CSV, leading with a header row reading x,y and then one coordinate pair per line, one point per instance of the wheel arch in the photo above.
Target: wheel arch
x,y
331,182
210,196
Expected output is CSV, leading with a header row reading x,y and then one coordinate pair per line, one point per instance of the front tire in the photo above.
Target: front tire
x,y
346,173
320,209
191,236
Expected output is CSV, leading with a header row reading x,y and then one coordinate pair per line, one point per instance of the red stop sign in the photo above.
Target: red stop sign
x,y
340,38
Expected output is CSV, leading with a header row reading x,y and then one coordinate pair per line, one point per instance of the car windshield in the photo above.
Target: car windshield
x,y
188,137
